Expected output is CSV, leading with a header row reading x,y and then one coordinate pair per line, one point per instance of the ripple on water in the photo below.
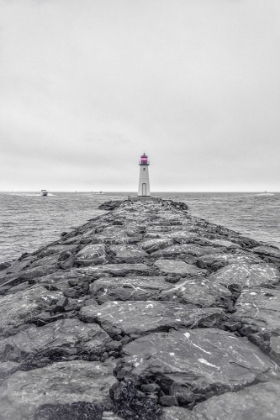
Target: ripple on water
x,y
29,220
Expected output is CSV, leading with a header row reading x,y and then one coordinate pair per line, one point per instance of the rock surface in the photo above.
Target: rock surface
x,y
25,394
146,313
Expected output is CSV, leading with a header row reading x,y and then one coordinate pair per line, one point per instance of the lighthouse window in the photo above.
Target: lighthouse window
x,y
144,169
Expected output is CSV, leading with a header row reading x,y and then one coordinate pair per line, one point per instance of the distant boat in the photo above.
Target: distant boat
x,y
44,193
99,192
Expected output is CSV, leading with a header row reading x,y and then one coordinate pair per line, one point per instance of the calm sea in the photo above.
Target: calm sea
x,y
28,220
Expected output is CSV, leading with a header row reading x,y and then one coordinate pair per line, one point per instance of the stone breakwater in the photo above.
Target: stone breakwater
x,y
145,312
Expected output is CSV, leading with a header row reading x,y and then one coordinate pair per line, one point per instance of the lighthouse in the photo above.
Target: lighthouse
x,y
144,182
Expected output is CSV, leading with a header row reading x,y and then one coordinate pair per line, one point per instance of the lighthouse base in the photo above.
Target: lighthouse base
x,y
144,198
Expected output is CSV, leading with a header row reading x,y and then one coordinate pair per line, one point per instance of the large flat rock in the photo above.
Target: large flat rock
x,y
266,250
200,292
115,270
257,402
178,267
224,243
91,254
65,337
153,245
219,260
259,310
128,288
23,393
184,250
140,318
196,362
246,275
128,253
18,309
186,237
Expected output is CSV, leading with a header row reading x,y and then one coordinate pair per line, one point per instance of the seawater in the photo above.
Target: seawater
x,y
28,220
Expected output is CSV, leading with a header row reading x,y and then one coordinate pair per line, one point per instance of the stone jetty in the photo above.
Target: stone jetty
x,y
145,312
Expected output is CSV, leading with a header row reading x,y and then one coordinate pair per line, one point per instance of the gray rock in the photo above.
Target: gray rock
x,y
259,311
20,308
220,260
60,279
140,318
115,270
199,292
57,337
224,243
206,362
19,265
156,244
7,368
178,267
177,413
186,237
128,253
48,261
128,288
246,275
91,254
23,393
267,250
257,402
184,250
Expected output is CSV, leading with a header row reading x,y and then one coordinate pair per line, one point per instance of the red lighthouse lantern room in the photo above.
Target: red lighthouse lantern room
x,y
144,160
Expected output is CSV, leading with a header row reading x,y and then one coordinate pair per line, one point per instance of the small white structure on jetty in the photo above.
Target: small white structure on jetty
x,y
144,182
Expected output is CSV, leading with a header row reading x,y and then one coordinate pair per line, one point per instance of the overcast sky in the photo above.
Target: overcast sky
x,y
86,86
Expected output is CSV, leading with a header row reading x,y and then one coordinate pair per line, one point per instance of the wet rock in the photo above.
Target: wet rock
x,y
74,293
19,287
156,244
128,253
186,237
115,270
138,318
66,260
205,362
55,340
224,243
261,401
110,205
200,292
266,250
217,261
132,404
58,383
176,413
178,267
19,309
128,288
60,280
46,261
4,265
183,250
37,271
246,275
19,265
259,312
75,411
91,254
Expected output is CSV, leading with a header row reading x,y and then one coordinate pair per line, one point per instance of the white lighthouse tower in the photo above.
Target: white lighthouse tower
x,y
144,182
